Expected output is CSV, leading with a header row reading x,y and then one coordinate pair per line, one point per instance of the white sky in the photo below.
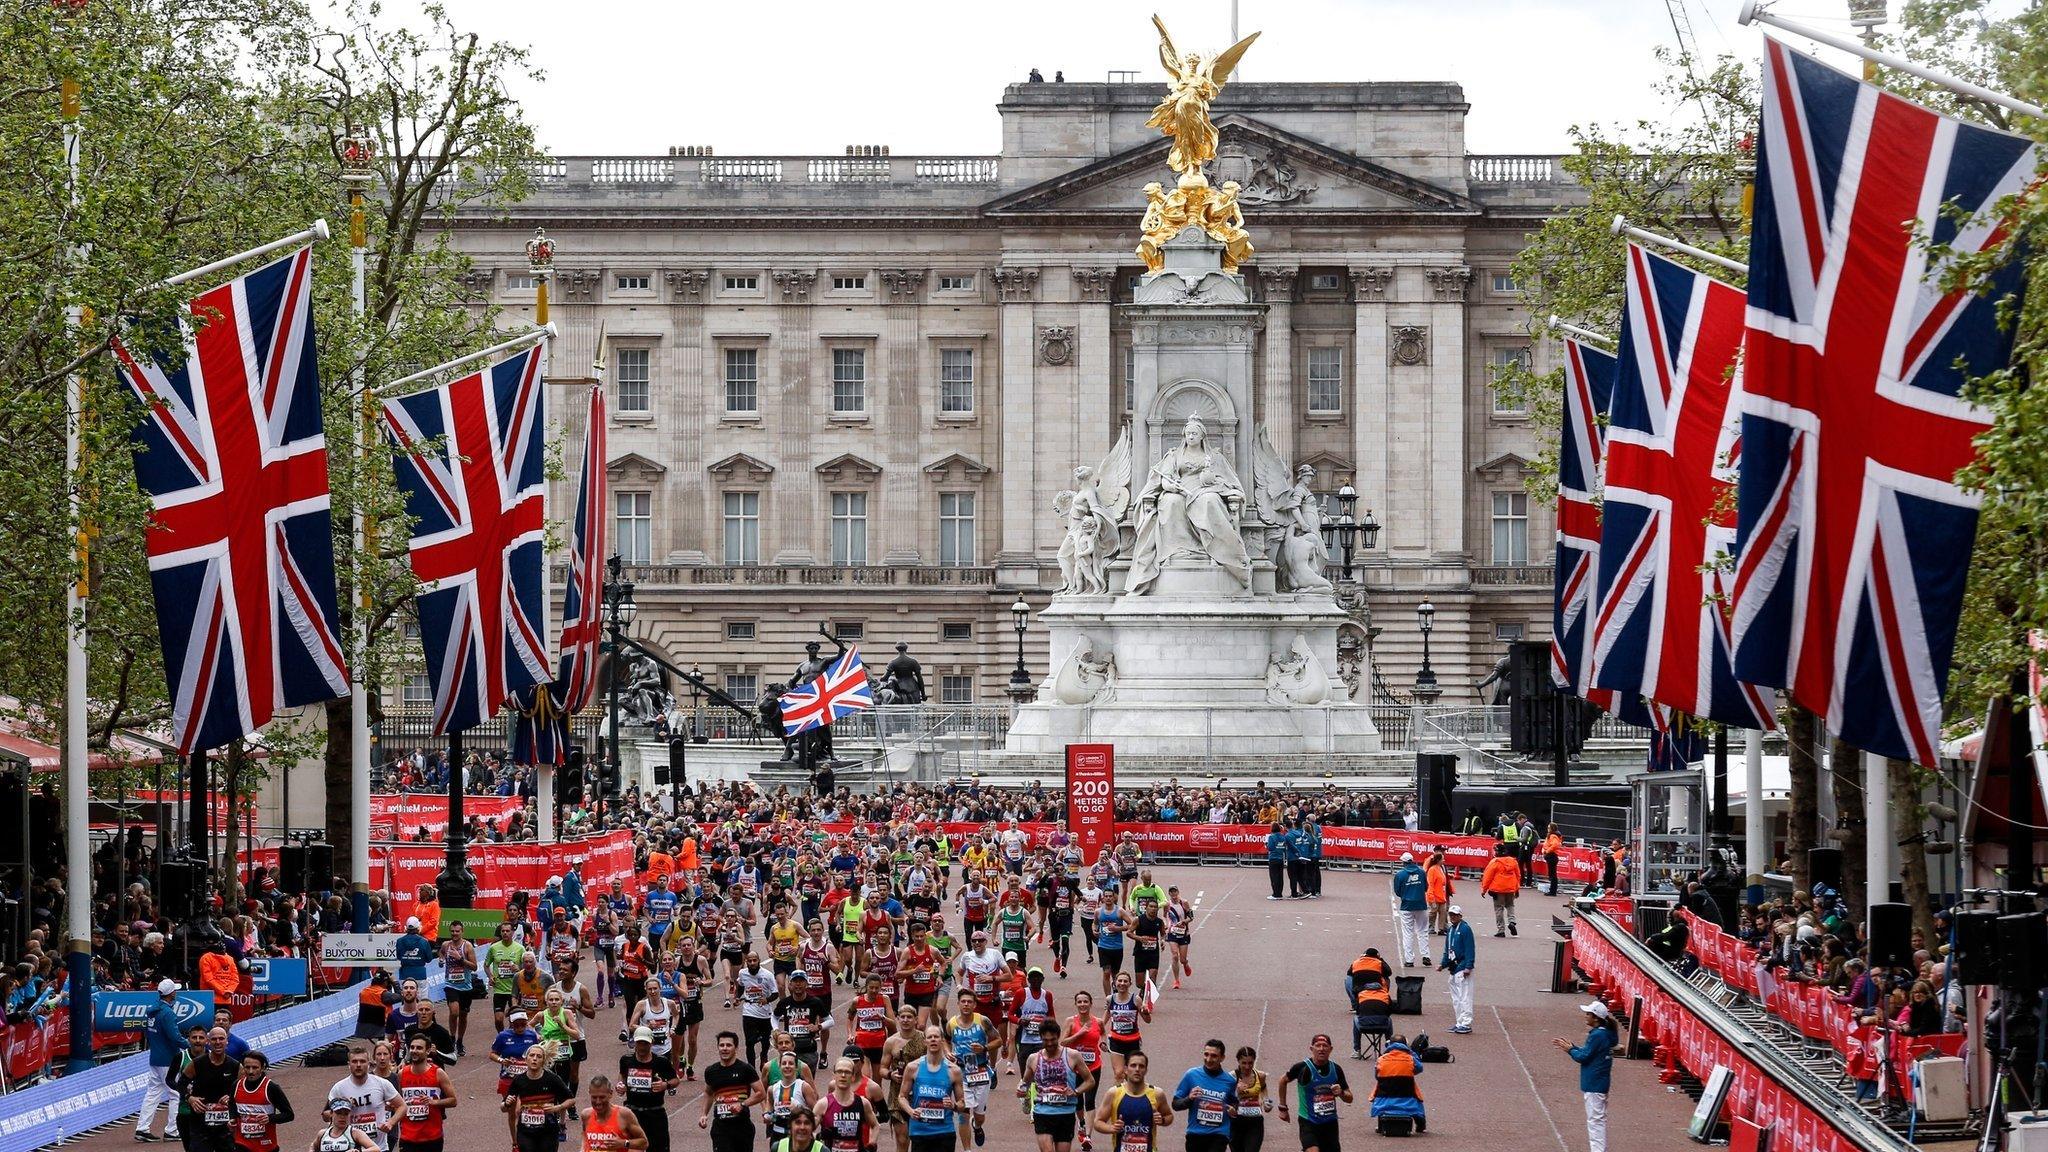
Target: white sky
x,y
924,76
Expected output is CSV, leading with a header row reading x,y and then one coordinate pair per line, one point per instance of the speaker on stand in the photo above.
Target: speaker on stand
x,y
319,866
291,867
1891,935
1977,947
1825,866
2022,941
1436,781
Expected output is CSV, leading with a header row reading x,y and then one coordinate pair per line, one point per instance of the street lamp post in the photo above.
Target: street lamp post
x,y
1426,690
1020,678
696,702
456,884
618,612
1352,532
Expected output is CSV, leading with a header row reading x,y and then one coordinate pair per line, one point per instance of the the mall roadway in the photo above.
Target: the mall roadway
x,y
1268,974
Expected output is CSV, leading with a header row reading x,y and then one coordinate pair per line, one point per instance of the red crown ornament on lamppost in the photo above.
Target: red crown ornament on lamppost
x,y
540,252
358,160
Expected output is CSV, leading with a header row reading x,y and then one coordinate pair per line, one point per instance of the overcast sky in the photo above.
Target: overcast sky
x,y
924,76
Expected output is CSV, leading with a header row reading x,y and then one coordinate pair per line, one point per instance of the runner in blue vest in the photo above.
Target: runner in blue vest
x,y
931,1095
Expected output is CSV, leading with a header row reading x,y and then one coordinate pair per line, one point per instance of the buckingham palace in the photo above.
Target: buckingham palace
x,y
845,389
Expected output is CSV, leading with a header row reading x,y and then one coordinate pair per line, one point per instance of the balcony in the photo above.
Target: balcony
x,y
659,170
801,575
1514,575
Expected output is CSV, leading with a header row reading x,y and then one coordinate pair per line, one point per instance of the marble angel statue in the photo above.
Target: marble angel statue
x,y
1296,676
1091,511
1085,678
1189,507
1290,506
1194,81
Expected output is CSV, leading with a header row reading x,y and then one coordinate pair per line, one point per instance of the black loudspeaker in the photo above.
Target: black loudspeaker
x,y
1977,947
291,867
2022,941
319,866
1532,713
1891,935
1825,866
1436,779
678,760
180,896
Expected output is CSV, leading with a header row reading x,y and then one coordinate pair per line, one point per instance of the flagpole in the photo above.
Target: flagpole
x,y
1573,330
527,337
1753,13
357,170
306,236
77,784
1621,227
540,260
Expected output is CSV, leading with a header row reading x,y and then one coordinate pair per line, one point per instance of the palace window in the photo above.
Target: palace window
x,y
418,691
956,380
1510,527
854,283
849,528
635,283
744,687
742,527
630,376
634,525
956,529
1504,284
956,689
1504,357
1325,381
742,283
1505,632
739,630
956,630
850,629
958,283
849,381
742,379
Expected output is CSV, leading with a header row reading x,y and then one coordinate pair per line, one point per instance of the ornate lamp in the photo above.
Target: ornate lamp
x,y
1020,678
1425,680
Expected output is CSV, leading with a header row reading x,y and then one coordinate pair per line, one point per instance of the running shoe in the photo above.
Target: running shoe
x,y
1512,931
1176,981
1462,1029
980,1136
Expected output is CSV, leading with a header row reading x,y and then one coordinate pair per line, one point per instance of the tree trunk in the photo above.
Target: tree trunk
x,y
340,734
1804,802
1909,819
1846,775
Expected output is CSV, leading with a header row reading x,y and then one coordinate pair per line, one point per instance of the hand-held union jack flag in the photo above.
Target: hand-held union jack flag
x,y
542,733
841,690
1855,539
470,460
1661,626
241,554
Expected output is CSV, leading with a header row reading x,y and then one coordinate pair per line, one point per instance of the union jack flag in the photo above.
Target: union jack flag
x,y
241,552
841,691
1661,625
541,736
1854,538
1588,389
470,460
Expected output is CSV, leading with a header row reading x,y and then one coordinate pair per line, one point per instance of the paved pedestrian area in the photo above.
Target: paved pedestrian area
x,y
1269,974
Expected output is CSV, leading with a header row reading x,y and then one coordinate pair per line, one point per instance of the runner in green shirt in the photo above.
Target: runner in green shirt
x,y
1145,889
501,960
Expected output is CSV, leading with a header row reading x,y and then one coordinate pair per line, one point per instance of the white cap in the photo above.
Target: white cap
x,y
554,880
1596,1008
517,1014
166,986
1407,857
1457,911
412,922
643,1033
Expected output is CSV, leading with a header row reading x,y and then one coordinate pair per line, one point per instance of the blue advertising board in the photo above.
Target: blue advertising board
x,y
278,976
129,1011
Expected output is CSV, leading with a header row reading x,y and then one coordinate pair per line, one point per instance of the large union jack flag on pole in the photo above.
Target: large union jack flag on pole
x,y
542,733
1855,538
841,690
1661,626
470,460
1588,389
232,454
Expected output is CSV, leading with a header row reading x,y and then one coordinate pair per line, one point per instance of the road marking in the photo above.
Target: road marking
x,y
1260,1037
1218,904
1541,1106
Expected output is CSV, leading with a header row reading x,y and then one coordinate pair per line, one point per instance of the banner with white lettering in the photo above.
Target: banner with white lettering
x,y
1091,797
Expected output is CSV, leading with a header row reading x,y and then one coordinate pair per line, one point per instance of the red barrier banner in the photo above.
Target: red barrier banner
x,y
502,869
401,816
1091,797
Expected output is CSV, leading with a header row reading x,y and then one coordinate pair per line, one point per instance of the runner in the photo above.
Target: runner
x,y
1031,1017
903,1048
636,964
1088,903
426,1095
536,1102
1208,1095
789,1096
846,1121
1180,933
971,1033
458,983
1120,1021
922,970
369,1097
1147,930
803,1135
868,1021
731,1087
756,989
807,1019
1014,922
1133,1112
260,1106
1320,1087
340,1135
648,1079
1248,1124
931,1096
785,936
656,1013
560,1032
501,959
1061,895
695,968
1083,1033
1109,941
1054,1081
508,1052
607,1128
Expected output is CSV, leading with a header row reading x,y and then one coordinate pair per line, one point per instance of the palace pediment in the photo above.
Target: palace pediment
x,y
1278,171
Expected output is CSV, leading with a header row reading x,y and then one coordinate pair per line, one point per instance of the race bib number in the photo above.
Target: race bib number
x,y
980,1077
931,1113
415,1110
1323,1106
214,1116
532,1118
1055,1097
1247,1109
1135,1142
639,1080
253,1127
726,1108
1209,1113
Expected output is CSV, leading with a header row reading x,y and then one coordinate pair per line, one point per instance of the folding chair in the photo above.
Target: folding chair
x,y
1370,1033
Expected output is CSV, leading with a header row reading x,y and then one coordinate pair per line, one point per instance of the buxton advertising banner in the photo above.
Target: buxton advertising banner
x,y
359,950
129,1011
1091,797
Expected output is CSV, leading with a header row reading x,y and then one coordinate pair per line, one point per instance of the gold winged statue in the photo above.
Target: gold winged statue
x,y
1184,115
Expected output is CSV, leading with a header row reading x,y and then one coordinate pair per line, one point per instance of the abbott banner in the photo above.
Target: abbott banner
x,y
1091,797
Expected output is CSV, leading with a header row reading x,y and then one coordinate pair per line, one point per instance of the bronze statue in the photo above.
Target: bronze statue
x,y
903,681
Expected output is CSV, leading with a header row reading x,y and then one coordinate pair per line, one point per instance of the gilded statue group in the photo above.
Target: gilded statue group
x,y
1184,115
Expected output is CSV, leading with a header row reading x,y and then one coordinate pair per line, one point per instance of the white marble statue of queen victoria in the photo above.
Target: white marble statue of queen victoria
x,y
1189,507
